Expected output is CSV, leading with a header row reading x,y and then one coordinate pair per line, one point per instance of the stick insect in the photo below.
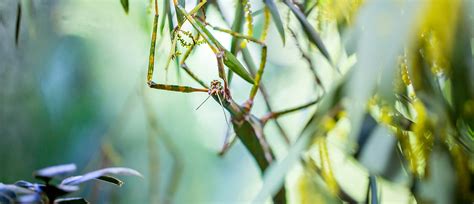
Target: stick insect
x,y
247,127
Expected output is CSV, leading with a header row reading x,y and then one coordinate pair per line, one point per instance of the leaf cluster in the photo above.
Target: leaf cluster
x,y
52,189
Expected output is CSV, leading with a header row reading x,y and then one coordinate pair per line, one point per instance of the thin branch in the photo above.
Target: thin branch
x,y
274,115
307,59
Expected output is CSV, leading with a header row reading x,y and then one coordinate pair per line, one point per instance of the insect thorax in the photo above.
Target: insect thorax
x,y
215,87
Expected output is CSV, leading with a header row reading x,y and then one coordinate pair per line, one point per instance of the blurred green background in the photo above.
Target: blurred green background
x,y
73,88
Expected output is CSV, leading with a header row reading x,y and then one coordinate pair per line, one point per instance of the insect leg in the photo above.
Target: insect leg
x,y
222,75
151,61
227,143
166,87
307,58
151,65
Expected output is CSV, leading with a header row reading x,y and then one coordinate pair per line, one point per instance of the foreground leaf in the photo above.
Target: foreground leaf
x,y
234,64
124,5
99,174
71,201
48,173
111,179
31,198
179,15
54,192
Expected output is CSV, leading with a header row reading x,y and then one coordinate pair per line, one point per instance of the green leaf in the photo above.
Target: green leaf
x,y
124,5
312,35
179,15
166,6
237,27
276,18
231,61
170,22
309,6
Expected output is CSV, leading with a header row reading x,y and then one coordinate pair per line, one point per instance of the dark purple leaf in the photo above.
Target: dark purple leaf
x,y
14,189
6,195
71,201
102,172
4,198
56,191
111,179
70,180
48,173
24,184
33,198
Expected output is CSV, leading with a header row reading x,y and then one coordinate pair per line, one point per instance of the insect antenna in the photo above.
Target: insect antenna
x,y
203,102
223,111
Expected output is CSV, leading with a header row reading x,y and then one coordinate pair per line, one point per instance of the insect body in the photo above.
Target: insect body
x,y
247,127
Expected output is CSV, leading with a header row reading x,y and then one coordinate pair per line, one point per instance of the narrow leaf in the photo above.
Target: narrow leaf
x,y
7,195
99,173
71,201
276,18
18,22
68,188
9,189
124,5
170,21
49,172
231,61
373,189
309,6
24,184
179,15
312,35
111,179
5,198
166,6
237,26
